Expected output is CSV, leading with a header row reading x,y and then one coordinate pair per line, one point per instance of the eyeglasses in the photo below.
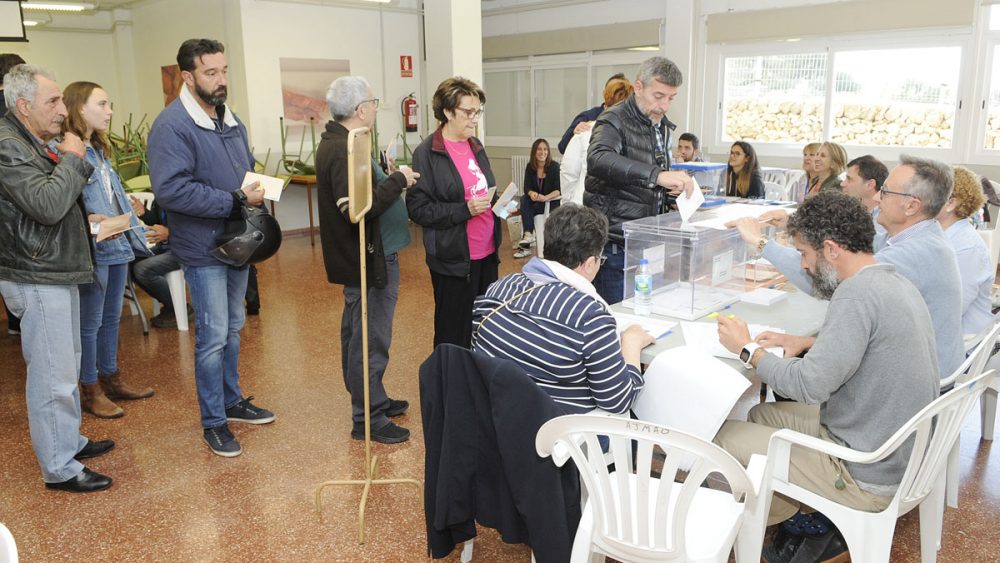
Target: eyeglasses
x,y
884,191
601,260
472,113
374,102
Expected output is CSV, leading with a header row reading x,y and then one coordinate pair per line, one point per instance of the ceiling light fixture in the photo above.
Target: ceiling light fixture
x,y
57,6
29,23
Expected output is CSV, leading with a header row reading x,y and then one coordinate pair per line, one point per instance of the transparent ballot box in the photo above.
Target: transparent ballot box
x,y
696,270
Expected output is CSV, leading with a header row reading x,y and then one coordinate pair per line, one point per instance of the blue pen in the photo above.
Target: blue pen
x,y
665,334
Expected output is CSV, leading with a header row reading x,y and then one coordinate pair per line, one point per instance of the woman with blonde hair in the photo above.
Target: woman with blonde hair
x,y
829,163
805,183
88,115
975,269
573,168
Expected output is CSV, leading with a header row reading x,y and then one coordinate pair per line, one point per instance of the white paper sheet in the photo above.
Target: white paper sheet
x,y
690,391
391,151
656,327
705,337
506,203
272,186
732,211
688,205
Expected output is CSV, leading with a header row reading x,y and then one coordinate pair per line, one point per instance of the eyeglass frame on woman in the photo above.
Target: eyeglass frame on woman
x,y
601,259
362,102
472,114
882,190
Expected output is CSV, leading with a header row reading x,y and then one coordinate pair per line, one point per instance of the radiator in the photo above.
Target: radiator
x,y
517,165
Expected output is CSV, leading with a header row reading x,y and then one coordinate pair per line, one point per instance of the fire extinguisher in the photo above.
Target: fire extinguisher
x,y
409,110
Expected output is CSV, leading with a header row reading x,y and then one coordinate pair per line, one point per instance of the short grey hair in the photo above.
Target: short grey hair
x,y
661,69
20,82
933,182
344,95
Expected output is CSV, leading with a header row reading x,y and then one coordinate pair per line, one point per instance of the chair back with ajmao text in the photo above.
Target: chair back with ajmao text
x,y
636,511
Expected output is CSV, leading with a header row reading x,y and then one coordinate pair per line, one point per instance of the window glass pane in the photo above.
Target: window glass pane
x,y
995,18
774,98
560,94
993,105
896,97
602,73
508,103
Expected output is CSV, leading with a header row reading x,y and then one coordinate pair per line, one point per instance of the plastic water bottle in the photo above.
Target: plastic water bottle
x,y
643,288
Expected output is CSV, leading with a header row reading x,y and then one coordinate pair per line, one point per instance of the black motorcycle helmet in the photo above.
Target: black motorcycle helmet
x,y
253,238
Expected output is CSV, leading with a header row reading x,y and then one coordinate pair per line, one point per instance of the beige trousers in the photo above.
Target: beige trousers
x,y
809,469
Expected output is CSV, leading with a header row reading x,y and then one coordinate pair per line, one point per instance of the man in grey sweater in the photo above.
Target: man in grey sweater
x,y
871,368
910,200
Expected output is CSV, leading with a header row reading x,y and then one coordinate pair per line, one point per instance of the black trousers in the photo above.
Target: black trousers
x,y
453,300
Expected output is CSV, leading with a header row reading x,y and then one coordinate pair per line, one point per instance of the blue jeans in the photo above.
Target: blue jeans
x,y
530,209
610,280
381,307
150,273
217,296
100,312
50,344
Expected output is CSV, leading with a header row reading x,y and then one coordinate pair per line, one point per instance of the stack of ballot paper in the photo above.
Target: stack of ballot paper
x,y
764,296
705,337
656,327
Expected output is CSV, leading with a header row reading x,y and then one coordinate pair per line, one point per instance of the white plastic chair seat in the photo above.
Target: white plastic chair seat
x,y
8,548
178,295
646,522
931,432
974,364
712,525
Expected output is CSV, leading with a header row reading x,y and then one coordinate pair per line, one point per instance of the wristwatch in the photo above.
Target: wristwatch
x,y
746,354
761,244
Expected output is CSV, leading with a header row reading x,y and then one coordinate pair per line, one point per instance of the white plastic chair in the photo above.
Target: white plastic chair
x,y
932,432
175,281
774,190
634,517
8,548
775,176
540,228
973,365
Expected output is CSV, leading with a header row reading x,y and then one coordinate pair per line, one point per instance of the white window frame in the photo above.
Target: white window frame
x,y
588,59
948,37
989,43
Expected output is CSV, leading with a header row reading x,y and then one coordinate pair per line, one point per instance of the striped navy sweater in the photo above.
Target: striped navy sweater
x,y
563,338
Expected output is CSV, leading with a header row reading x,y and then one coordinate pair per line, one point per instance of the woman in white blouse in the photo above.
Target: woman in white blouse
x,y
974,266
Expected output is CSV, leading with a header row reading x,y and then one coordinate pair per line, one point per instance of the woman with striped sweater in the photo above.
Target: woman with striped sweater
x,y
551,321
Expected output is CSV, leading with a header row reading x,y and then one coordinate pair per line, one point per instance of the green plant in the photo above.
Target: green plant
x,y
128,150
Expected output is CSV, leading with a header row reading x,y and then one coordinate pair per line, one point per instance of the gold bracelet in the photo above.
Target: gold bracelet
x,y
761,244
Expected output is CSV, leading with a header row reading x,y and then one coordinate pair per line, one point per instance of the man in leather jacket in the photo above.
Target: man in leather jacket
x,y
44,255
628,164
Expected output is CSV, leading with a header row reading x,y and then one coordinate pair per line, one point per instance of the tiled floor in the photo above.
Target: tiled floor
x,y
174,500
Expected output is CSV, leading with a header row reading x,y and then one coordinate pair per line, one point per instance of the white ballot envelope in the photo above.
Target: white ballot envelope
x,y
272,186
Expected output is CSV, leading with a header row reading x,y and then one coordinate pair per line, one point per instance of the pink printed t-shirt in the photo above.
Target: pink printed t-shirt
x,y
478,229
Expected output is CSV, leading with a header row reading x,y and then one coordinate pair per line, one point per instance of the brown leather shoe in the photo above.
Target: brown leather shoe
x,y
94,401
115,388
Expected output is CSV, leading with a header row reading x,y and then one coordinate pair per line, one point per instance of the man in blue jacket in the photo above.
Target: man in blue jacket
x,y
198,155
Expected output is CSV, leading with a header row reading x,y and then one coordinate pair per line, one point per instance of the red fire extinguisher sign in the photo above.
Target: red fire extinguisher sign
x,y
406,66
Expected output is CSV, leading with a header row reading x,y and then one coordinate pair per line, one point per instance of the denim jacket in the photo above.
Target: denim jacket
x,y
123,249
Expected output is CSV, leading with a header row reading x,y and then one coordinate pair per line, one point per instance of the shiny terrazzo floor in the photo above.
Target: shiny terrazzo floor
x,y
174,500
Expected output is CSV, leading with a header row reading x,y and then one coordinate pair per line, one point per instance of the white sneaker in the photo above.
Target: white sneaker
x,y
528,241
522,253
